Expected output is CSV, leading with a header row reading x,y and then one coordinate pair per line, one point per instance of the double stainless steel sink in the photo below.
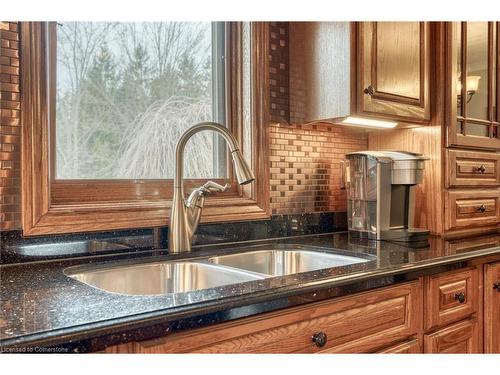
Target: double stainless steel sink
x,y
159,278
285,262
162,278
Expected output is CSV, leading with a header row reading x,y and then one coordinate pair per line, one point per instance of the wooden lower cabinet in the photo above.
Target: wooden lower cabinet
x,y
442,313
362,323
458,338
450,297
408,347
492,308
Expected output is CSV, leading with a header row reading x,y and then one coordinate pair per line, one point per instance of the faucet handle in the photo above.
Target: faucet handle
x,y
211,187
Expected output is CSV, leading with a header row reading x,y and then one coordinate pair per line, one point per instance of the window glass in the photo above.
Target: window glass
x,y
125,92
459,69
478,130
476,80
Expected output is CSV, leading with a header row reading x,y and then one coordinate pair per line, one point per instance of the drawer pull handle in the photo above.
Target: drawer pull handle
x,y
320,339
370,90
481,208
497,286
481,169
460,297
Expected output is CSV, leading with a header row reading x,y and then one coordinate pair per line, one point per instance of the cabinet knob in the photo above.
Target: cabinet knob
x,y
497,286
319,339
460,297
481,169
370,90
481,208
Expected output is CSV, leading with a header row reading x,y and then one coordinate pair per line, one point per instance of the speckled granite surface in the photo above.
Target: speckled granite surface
x,y
14,248
40,306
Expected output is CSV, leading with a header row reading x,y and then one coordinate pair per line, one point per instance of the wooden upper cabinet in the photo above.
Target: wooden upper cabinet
x,y
472,92
393,70
378,70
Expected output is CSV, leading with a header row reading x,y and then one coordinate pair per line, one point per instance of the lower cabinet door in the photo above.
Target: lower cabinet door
x,y
492,308
407,347
461,338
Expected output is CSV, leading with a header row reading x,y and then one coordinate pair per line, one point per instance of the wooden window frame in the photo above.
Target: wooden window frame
x,y
66,206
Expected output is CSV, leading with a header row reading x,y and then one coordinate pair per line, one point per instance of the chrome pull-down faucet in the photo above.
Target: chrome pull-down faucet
x,y
186,213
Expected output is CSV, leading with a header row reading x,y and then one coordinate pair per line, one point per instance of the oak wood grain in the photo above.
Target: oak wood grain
x,y
319,57
459,338
408,347
472,168
360,323
427,141
472,208
394,59
492,308
442,305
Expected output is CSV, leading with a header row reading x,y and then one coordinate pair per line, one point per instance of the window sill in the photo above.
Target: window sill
x,y
60,219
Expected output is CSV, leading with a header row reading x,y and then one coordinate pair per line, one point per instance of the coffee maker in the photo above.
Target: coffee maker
x,y
381,194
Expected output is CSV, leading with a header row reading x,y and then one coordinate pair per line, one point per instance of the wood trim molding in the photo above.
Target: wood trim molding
x,y
34,116
81,206
261,112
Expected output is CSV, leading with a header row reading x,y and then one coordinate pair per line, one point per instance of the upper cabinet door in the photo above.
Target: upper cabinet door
x,y
472,90
393,70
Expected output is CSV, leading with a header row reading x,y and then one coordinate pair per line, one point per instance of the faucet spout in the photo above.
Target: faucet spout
x,y
185,214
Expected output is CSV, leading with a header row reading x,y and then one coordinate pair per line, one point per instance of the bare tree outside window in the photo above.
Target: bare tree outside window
x,y
126,92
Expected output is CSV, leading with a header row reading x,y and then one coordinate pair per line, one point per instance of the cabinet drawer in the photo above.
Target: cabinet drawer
x,y
460,338
469,168
470,208
363,322
407,347
450,297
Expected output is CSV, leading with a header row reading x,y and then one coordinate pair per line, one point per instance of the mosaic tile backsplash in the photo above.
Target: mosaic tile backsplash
x,y
10,128
305,167
304,158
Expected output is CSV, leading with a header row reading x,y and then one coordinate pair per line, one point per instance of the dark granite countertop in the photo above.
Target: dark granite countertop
x,y
40,306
